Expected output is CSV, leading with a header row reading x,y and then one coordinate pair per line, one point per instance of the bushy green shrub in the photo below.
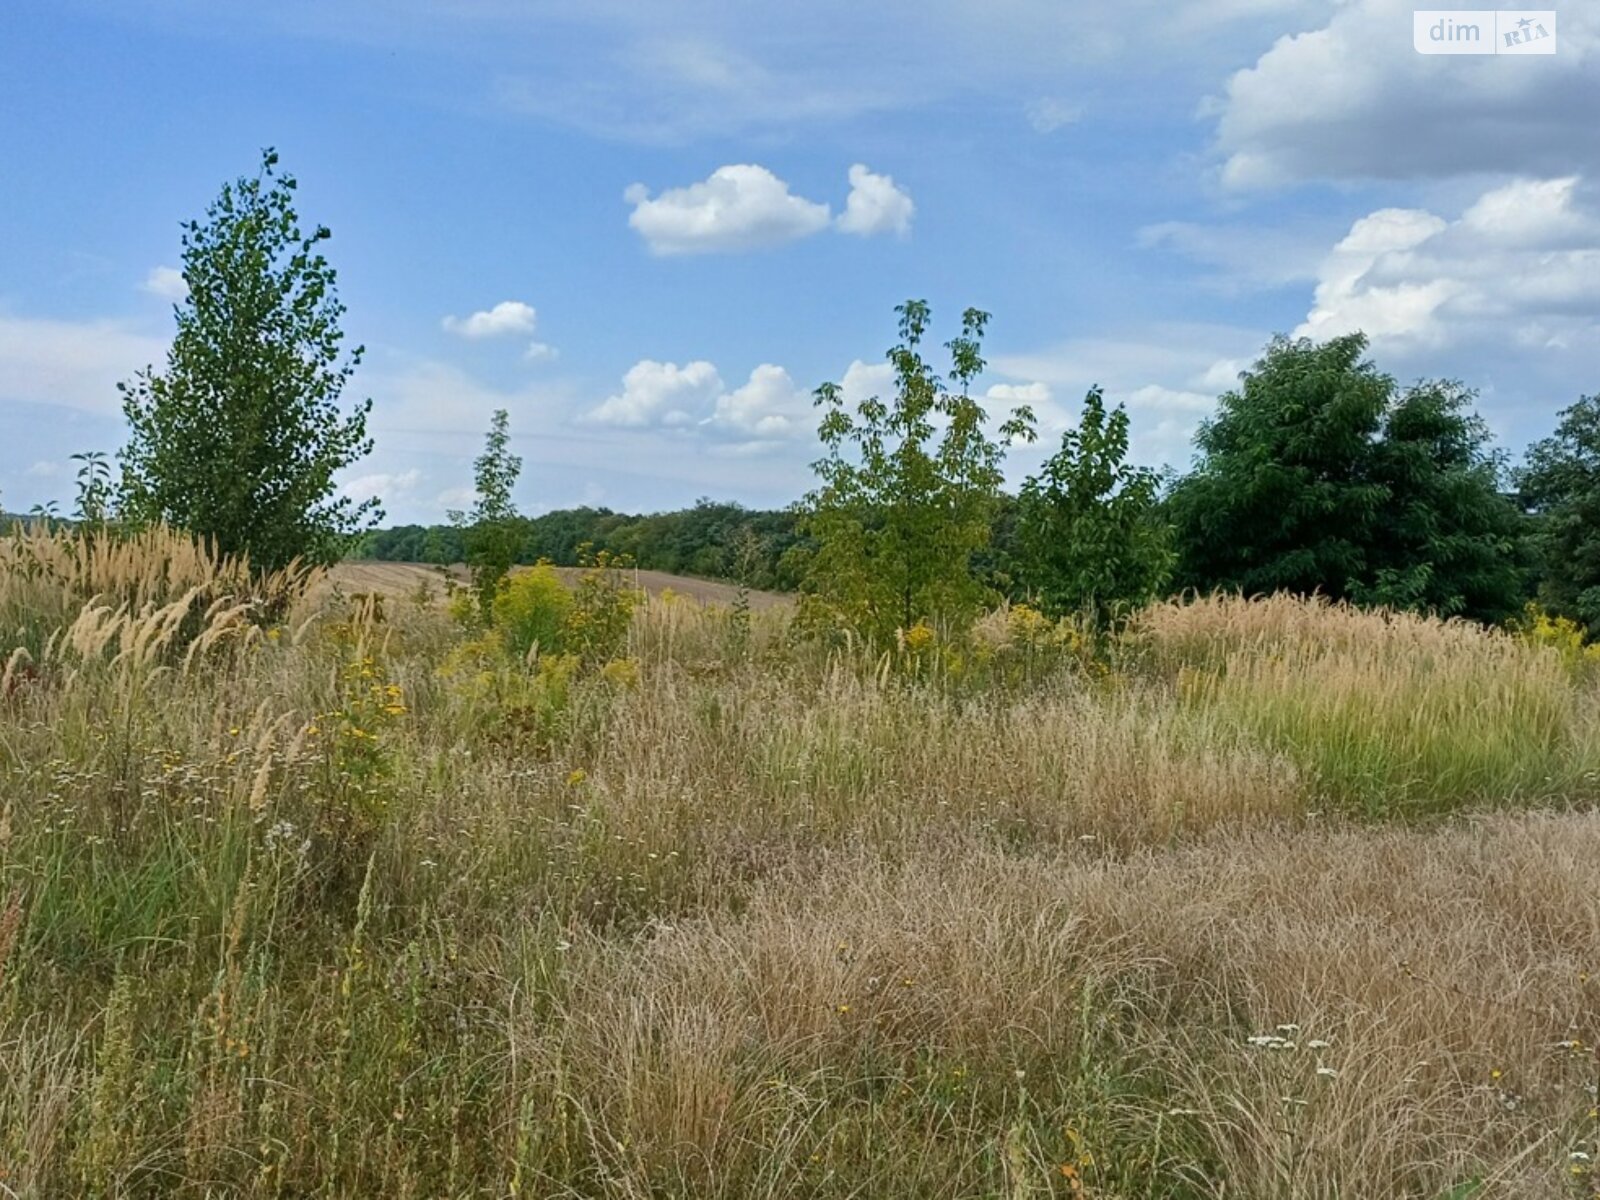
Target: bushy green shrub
x,y
536,611
597,627
534,608
1565,636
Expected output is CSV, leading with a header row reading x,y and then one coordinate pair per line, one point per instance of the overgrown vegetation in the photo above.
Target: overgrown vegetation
x,y
373,900
980,870
1320,474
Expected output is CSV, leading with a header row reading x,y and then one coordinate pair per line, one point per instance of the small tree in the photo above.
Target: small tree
x,y
493,527
908,488
1089,531
94,488
239,439
1560,484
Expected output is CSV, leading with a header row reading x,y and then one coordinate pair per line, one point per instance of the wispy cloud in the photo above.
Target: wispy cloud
x,y
166,282
73,364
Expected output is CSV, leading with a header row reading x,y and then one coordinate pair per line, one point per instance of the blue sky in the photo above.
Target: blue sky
x,y
649,230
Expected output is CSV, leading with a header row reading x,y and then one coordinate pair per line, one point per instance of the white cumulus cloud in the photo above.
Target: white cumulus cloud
x,y
768,410
507,317
769,407
1168,375
875,205
738,207
862,381
659,393
1354,100
1520,265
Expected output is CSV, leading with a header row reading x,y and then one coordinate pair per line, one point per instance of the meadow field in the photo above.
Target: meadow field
x,y
308,894
404,579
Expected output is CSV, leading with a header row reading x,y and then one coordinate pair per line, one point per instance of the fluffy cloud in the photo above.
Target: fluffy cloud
x,y
166,282
862,381
659,393
456,498
747,207
1354,99
739,207
43,469
875,205
1521,265
677,73
507,317
769,407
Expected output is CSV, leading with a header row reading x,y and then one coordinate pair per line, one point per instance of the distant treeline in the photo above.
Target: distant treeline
x,y
715,539
712,540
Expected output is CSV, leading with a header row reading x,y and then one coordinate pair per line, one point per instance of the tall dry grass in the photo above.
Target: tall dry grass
x,y
344,905
895,1025
1386,712
47,577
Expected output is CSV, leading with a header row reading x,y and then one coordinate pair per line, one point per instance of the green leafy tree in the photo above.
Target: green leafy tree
x,y
1089,529
1560,484
240,438
907,489
434,547
494,530
1319,473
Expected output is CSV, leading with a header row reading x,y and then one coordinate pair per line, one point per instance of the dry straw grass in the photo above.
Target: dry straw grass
x,y
48,578
1441,969
343,905
1387,711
